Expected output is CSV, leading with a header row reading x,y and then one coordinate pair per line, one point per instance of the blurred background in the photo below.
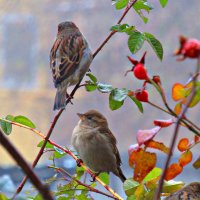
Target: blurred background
x,y
27,32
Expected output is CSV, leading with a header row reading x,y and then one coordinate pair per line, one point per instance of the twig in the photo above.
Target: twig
x,y
25,167
65,173
68,100
173,141
69,153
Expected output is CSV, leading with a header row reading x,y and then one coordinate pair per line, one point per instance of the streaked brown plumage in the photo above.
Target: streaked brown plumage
x,y
70,58
96,145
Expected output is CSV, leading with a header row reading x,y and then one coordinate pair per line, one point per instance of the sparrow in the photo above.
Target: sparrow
x,y
189,192
70,58
96,145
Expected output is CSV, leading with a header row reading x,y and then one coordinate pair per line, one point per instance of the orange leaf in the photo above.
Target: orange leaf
x,y
157,145
163,123
146,135
178,92
178,108
133,147
196,138
133,158
185,158
143,162
183,144
173,170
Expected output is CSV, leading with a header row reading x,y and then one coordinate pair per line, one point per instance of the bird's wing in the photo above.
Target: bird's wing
x,y
65,56
113,142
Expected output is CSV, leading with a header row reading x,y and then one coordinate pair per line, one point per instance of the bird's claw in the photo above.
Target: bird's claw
x,y
79,162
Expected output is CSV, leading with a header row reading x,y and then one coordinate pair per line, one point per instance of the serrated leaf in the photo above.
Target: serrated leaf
x,y
155,44
163,3
137,103
135,41
121,4
48,145
24,120
105,178
130,186
90,87
104,88
92,77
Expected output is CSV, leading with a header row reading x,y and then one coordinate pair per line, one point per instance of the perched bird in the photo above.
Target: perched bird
x,y
189,192
70,58
96,145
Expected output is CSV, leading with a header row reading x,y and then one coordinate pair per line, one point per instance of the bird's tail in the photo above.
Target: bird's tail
x,y
121,175
60,99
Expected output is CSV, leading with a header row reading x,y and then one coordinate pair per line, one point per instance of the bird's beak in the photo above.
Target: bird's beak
x,y
81,116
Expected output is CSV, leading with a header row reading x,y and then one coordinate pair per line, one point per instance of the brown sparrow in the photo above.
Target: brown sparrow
x,y
96,145
189,192
70,58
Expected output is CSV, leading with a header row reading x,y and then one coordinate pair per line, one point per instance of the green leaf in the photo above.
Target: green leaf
x,y
143,5
172,186
92,77
58,153
117,97
135,41
48,145
105,178
163,3
38,197
123,28
104,88
196,164
137,103
130,186
91,87
121,4
3,197
132,197
6,126
63,198
79,172
155,44
196,98
24,120
154,173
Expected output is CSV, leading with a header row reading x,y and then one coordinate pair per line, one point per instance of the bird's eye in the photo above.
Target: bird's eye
x,y
89,117
59,28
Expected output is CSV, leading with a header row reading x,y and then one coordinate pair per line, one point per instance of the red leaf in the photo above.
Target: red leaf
x,y
183,144
185,158
173,170
196,139
163,123
146,135
133,147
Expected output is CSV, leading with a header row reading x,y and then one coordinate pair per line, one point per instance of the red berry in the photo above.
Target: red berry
x,y
191,48
142,96
140,72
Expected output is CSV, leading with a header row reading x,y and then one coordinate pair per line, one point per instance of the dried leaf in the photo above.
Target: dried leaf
x,y
183,144
185,158
178,92
157,145
173,170
143,162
